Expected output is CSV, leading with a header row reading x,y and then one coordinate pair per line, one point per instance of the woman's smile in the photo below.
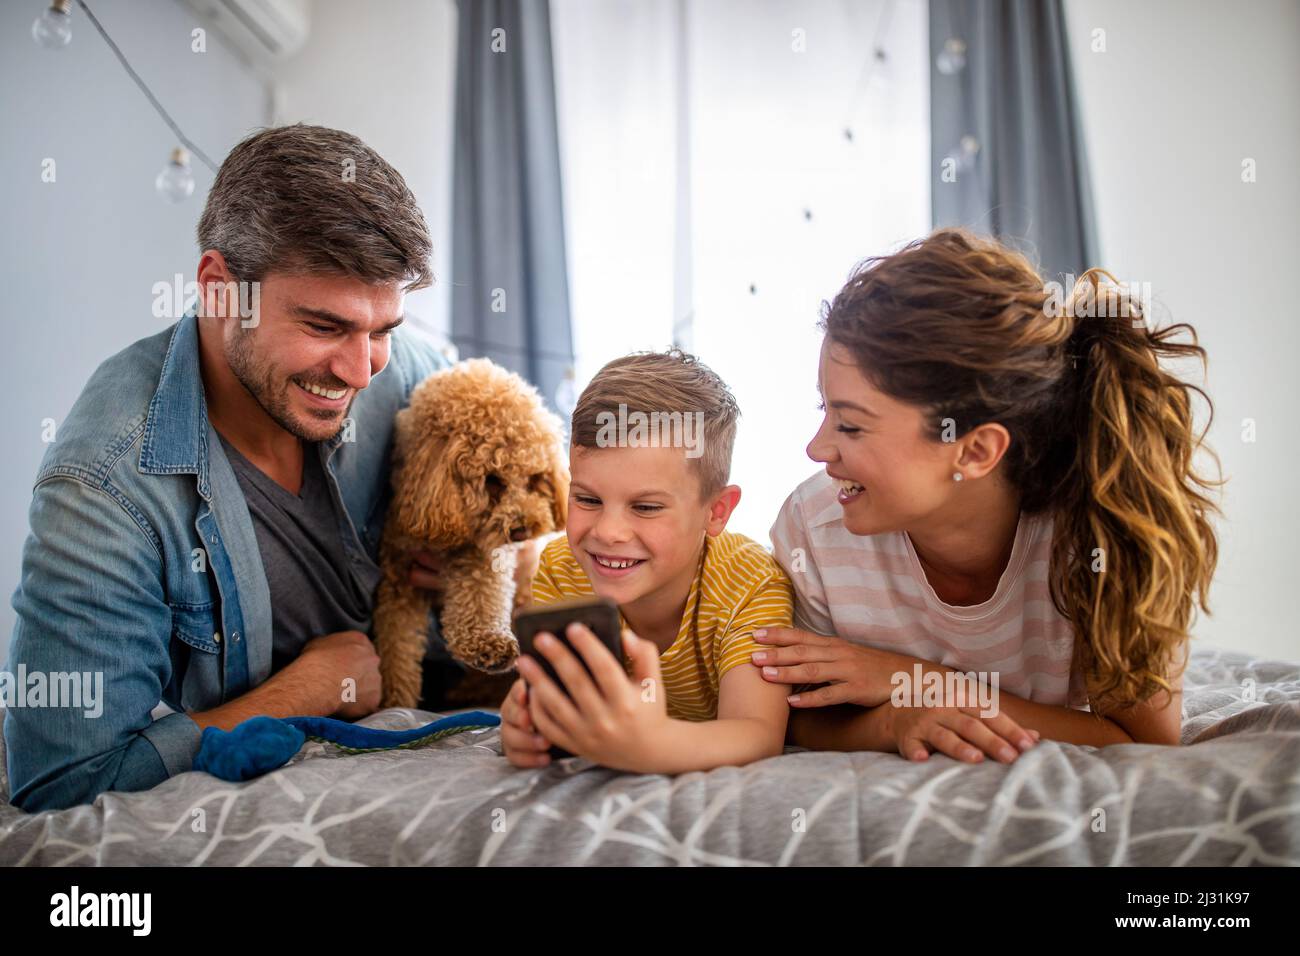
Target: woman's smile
x,y
849,490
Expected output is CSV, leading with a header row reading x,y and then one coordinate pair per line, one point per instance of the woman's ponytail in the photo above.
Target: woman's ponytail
x,y
1134,549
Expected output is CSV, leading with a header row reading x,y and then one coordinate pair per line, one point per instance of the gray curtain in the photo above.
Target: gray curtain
x,y
1023,174
510,290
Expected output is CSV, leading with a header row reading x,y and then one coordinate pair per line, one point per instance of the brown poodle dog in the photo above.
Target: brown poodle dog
x,y
478,467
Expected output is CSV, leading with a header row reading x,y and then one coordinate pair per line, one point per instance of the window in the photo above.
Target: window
x,y
710,187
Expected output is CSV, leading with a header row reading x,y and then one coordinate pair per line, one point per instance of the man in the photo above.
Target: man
x,y
204,532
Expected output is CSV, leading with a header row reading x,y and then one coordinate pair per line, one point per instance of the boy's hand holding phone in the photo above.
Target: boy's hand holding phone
x,y
523,745
605,717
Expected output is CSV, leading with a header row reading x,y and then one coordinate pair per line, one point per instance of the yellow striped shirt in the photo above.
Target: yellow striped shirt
x,y
743,588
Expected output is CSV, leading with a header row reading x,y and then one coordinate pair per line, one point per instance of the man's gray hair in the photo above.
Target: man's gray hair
x,y
306,199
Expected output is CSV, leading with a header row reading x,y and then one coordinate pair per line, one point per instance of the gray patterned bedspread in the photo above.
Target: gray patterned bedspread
x,y
1230,795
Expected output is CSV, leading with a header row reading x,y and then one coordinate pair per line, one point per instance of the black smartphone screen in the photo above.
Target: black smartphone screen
x,y
599,615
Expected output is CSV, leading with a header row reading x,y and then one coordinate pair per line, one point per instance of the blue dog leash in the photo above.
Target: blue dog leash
x,y
261,744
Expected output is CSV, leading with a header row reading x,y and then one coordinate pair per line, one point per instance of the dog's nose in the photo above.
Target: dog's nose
x,y
519,534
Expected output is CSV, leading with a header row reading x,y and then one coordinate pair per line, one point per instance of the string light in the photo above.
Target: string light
x,y
176,182
566,394
963,155
53,31
952,58
874,68
878,76
950,61
873,77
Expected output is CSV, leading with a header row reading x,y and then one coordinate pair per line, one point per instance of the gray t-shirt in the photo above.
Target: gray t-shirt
x,y
315,589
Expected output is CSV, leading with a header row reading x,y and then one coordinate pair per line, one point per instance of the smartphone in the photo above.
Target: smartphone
x,y
601,617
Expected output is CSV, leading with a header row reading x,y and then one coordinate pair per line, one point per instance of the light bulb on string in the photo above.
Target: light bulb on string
x,y
952,58
566,394
176,182
874,77
879,76
963,155
875,83
53,28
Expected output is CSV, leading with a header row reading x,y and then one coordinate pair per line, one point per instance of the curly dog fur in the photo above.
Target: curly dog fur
x,y
478,466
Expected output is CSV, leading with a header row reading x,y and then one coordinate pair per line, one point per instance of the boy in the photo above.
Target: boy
x,y
648,509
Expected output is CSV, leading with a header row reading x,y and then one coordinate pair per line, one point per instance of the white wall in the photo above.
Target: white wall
x,y
79,256
386,72
1185,90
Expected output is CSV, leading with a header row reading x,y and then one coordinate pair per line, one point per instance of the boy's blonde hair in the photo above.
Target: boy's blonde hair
x,y
665,383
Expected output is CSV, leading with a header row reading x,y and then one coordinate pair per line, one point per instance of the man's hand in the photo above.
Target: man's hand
x,y
310,685
427,572
330,660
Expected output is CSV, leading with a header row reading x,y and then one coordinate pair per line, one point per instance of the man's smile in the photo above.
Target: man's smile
x,y
327,397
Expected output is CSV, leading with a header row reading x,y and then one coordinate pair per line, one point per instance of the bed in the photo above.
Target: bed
x,y
1230,795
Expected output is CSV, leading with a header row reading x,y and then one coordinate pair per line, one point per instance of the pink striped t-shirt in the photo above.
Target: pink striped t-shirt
x,y
871,589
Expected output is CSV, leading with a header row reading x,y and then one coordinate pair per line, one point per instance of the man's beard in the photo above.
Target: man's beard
x,y
272,393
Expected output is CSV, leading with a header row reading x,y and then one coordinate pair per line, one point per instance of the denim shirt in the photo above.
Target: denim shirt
x,y
142,568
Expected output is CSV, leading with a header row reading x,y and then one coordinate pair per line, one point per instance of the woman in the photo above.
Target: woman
x,y
1007,494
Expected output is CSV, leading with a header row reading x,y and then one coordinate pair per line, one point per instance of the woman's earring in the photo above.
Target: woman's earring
x,y
957,476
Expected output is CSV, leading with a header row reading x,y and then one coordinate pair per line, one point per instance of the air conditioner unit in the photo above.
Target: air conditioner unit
x,y
263,30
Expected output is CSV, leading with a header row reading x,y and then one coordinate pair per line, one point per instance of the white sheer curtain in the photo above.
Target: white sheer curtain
x,y
774,204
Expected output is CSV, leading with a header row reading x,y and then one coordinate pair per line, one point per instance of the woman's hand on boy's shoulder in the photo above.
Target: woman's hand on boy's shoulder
x,y
852,673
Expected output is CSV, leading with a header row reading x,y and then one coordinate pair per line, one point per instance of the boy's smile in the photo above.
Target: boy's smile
x,y
635,522
612,566
636,525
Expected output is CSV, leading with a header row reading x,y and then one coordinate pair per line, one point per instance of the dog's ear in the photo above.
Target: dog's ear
x,y
560,483
401,436
448,507
428,493
412,446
